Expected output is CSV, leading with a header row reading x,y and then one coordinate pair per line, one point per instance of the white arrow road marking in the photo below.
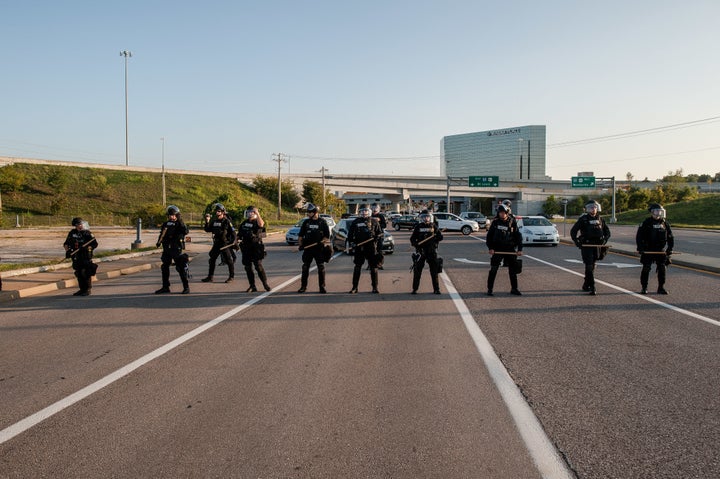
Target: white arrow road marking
x,y
465,260
617,265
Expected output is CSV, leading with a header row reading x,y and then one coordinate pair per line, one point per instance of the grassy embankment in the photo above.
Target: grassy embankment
x,y
703,212
49,195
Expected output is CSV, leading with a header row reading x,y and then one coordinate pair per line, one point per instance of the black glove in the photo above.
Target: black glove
x,y
300,248
68,253
157,245
578,244
668,252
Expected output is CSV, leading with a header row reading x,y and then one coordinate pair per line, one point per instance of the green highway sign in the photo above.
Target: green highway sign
x,y
480,181
583,182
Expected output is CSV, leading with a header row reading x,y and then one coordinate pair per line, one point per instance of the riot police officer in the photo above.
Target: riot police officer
x,y
363,236
589,233
380,218
79,246
504,243
313,234
250,235
653,235
223,240
172,240
425,238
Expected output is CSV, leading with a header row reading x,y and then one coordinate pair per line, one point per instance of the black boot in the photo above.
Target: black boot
x,y
355,279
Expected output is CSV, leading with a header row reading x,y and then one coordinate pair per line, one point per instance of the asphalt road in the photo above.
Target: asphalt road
x,y
388,385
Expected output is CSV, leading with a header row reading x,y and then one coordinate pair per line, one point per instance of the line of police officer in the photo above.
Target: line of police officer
x,y
654,240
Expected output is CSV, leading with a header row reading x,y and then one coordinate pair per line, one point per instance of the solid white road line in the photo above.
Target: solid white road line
x,y
30,421
644,297
542,451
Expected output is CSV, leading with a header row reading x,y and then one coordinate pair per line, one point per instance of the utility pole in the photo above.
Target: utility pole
x,y
164,196
322,172
127,54
279,157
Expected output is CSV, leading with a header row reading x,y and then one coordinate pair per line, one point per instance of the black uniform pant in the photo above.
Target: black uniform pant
x,y
590,256
181,266
84,272
647,260
227,257
359,259
250,260
495,261
432,262
308,256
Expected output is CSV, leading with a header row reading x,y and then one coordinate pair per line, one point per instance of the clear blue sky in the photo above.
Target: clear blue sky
x,y
364,87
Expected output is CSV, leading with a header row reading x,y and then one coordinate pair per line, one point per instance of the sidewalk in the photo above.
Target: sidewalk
x,y
29,282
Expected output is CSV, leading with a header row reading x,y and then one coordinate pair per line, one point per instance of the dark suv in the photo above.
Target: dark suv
x,y
405,221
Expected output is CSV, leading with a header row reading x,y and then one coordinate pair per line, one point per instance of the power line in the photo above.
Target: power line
x,y
364,158
631,134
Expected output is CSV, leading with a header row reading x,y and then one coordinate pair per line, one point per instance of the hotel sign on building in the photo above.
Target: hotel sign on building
x,y
516,153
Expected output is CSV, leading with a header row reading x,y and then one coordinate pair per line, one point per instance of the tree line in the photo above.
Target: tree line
x,y
672,188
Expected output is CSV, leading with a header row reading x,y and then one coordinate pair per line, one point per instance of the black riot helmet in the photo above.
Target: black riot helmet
x,y
77,221
503,208
250,211
311,208
364,211
592,204
173,210
219,207
656,210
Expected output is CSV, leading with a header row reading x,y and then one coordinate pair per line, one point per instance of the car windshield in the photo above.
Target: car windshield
x,y
536,222
299,223
474,215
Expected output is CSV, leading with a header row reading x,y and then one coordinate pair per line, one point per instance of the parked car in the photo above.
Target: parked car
x,y
338,237
482,220
329,220
538,230
451,222
291,237
404,221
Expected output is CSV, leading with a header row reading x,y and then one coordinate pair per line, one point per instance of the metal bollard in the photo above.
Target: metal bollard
x,y
138,241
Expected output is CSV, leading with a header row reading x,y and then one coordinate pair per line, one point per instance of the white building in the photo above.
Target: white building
x,y
516,153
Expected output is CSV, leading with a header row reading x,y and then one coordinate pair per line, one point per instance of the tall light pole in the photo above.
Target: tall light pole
x,y
322,172
163,170
127,54
279,157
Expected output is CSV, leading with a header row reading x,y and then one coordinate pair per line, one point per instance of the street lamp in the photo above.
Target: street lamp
x,y
127,54
163,170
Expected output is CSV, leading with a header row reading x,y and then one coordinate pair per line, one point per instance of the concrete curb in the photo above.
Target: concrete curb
x,y
10,295
65,265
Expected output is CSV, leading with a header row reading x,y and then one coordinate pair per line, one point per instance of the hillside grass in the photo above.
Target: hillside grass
x,y
703,212
49,195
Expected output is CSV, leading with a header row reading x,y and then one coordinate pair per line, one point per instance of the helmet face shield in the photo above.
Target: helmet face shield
x,y
593,208
658,213
364,212
376,209
250,214
425,218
